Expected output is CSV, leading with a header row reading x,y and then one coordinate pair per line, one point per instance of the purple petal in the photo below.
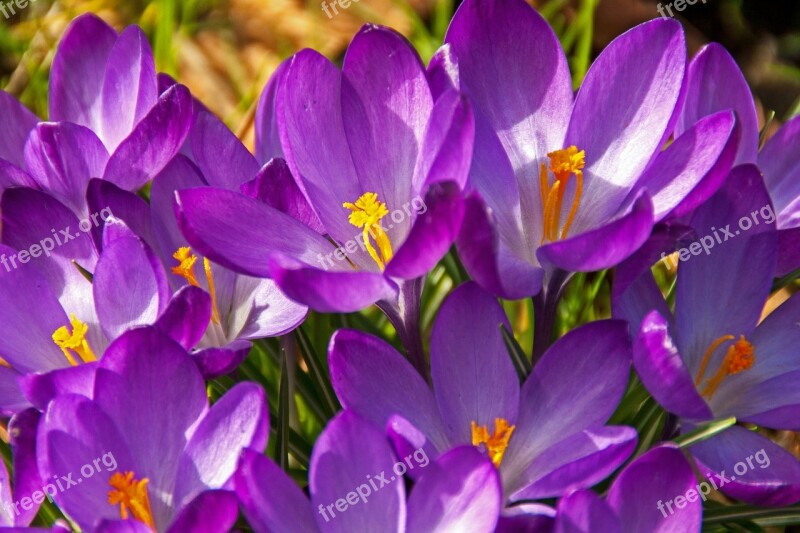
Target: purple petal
x,y
446,152
74,431
503,49
578,461
275,186
39,389
632,90
106,199
443,72
62,158
186,316
129,285
22,429
222,158
782,172
20,121
237,421
268,142
408,441
129,86
583,512
11,398
604,246
210,512
211,220
271,501
372,379
262,310
313,138
140,362
659,475
216,362
487,259
738,271
693,167
385,98
78,70
473,375
154,141
459,492
715,83
435,230
593,360
13,176
664,373
346,454
788,251
131,525
27,325
329,291
772,480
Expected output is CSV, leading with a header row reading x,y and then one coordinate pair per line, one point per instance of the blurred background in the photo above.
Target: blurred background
x,y
225,50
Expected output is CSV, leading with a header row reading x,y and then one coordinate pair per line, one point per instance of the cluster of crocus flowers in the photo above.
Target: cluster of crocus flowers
x,y
135,362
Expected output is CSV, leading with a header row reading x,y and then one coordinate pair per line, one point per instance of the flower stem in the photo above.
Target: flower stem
x,y
404,316
545,307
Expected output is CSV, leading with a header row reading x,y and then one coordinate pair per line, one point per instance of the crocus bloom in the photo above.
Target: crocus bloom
x,y
713,359
715,83
387,215
56,324
353,459
565,184
104,92
544,436
641,498
172,452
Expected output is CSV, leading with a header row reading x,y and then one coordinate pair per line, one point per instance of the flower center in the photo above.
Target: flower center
x,y
739,357
366,213
563,163
185,269
75,341
495,444
131,496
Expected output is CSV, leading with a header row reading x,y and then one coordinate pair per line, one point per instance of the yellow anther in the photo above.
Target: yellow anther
x,y
131,496
366,213
185,269
494,444
563,164
739,357
75,341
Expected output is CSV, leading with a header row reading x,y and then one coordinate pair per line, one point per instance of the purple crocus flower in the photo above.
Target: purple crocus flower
x,y
104,98
544,436
353,487
56,323
369,221
561,183
641,498
714,358
172,453
707,93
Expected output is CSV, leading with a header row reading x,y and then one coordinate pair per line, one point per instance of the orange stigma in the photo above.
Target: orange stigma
x,y
366,213
563,164
495,444
739,357
131,496
185,269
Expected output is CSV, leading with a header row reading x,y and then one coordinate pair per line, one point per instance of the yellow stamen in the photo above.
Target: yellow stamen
x,y
185,269
496,443
739,357
131,496
366,213
75,341
563,164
